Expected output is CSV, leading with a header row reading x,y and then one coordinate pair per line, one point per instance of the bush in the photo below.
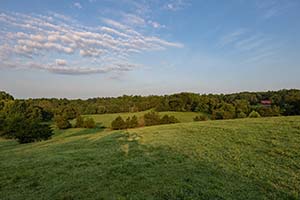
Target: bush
x,y
79,122
62,122
89,123
25,130
132,122
69,113
241,115
254,114
166,119
2,121
151,118
269,111
201,118
34,131
118,123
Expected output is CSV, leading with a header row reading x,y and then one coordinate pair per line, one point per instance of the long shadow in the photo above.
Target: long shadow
x,y
118,166
87,131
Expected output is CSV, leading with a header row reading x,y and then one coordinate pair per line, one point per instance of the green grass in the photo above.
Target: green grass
x,y
230,159
106,119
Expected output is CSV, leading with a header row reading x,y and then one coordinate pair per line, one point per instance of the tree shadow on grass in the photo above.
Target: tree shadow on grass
x,y
99,128
118,166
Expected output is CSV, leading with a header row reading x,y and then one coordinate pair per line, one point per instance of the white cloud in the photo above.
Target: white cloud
x,y
61,62
156,24
253,46
77,5
232,37
32,38
174,5
272,8
132,19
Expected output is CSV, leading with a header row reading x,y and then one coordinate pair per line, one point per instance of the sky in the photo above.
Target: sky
x,y
96,48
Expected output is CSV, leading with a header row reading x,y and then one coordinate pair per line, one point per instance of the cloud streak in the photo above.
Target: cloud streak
x,y
253,46
33,38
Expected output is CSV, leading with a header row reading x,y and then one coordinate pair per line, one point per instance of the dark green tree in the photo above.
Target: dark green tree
x,y
254,114
79,122
151,118
62,122
118,123
201,117
134,122
89,123
166,119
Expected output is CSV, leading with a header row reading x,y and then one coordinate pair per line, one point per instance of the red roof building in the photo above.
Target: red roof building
x,y
266,102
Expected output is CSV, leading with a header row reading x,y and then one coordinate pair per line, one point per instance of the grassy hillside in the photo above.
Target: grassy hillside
x,y
106,119
232,159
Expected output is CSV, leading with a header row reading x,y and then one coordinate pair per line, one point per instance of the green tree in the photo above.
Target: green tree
x,y
200,118
241,115
118,123
134,122
254,114
166,119
69,112
33,131
79,122
89,123
128,122
62,122
26,130
5,96
151,118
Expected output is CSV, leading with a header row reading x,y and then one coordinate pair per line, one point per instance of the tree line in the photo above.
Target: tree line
x,y
149,119
284,102
35,114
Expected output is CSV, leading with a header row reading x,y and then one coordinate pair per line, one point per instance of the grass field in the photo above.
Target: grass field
x,y
230,159
106,119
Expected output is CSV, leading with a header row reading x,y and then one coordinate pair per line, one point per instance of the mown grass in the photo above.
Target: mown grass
x,y
106,119
230,159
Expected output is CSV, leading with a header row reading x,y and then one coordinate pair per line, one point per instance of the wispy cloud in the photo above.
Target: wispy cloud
x,y
231,37
30,38
132,19
250,45
155,24
272,8
174,5
77,5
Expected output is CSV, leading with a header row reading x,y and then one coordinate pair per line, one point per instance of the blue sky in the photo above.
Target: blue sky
x,y
81,49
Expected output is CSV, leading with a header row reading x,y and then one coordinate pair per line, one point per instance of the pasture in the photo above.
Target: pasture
x,y
228,159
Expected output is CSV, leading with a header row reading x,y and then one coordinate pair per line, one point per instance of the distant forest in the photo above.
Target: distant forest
x,y
216,106
27,120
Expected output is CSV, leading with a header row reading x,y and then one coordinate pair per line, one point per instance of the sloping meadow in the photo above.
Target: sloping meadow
x,y
228,159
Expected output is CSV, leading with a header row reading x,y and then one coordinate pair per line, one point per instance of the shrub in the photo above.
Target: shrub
x,y
89,123
34,131
2,121
128,122
118,123
69,113
151,118
200,118
25,130
254,114
166,119
269,111
79,122
241,115
62,122
132,122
